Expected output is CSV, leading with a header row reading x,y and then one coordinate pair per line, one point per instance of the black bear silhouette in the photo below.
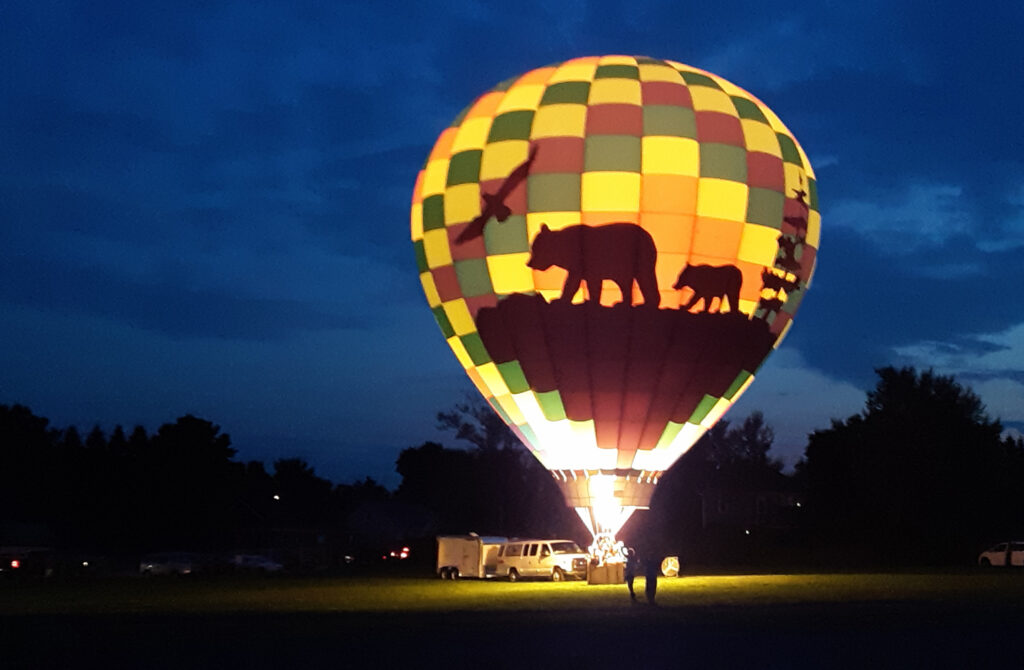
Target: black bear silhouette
x,y
621,252
711,281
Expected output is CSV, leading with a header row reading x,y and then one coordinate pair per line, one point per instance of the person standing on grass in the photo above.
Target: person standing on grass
x,y
652,566
629,572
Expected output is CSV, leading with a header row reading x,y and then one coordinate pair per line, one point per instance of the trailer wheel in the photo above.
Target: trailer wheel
x,y
443,573
453,573
557,575
513,575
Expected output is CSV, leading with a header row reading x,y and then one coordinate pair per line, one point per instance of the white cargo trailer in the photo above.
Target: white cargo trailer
x,y
468,555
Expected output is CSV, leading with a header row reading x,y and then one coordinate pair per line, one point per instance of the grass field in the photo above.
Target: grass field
x,y
382,594
876,620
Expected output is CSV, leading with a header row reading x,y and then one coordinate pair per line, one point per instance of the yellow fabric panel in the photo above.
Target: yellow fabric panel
x,y
670,155
707,99
521,97
554,221
508,403
477,382
435,246
721,199
718,238
435,177
795,180
563,120
430,289
775,121
733,89
814,229
460,353
611,191
472,134
758,244
461,203
493,379
580,69
759,136
654,72
459,316
617,59
509,273
416,220
672,233
614,90
500,158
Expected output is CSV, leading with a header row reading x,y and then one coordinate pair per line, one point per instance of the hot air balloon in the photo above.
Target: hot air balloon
x,y
612,246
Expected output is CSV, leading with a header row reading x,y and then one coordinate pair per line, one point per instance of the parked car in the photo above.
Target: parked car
x,y
1004,554
169,563
255,563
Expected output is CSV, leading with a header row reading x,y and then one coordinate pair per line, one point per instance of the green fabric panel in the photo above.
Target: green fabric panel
x,y
551,404
647,60
737,384
617,71
669,120
793,301
723,161
698,79
506,237
421,256
557,192
789,151
513,375
433,212
442,320
703,408
669,434
474,279
511,126
812,190
500,411
765,207
621,153
475,346
566,92
464,167
528,435
748,109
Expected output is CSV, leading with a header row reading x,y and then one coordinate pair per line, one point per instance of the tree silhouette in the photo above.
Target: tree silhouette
x,y
921,475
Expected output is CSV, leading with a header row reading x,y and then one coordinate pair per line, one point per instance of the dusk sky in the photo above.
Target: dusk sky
x,y
204,207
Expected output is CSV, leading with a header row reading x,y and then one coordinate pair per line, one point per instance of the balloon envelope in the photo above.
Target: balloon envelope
x,y
611,247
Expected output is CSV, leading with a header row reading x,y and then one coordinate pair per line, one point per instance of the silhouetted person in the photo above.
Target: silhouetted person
x,y
652,566
630,571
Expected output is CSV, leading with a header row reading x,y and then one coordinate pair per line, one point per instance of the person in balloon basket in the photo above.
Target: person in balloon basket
x,y
630,570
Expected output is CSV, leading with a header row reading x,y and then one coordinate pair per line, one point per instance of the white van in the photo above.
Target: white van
x,y
552,559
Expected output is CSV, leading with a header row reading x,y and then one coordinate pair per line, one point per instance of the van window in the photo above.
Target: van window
x,y
566,548
545,550
514,550
533,550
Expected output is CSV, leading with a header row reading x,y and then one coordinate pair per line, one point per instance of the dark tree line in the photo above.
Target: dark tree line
x,y
176,488
921,476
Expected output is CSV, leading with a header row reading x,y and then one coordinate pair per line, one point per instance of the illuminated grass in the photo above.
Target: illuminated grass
x,y
378,594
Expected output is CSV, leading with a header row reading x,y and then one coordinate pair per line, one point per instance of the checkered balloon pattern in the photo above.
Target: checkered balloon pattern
x,y
702,166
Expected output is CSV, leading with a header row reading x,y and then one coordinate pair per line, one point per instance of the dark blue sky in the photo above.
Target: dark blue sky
x,y
204,206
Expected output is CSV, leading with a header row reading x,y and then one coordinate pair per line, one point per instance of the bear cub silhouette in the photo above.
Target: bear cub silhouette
x,y
711,281
621,252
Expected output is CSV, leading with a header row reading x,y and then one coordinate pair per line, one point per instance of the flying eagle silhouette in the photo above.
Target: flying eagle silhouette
x,y
494,204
